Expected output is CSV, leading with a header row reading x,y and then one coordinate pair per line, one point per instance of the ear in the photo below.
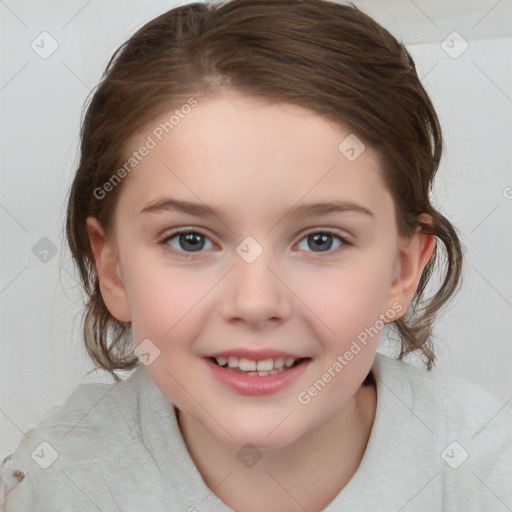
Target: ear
x,y
414,254
108,270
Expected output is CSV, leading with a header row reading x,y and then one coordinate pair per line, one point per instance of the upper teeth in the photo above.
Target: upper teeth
x,y
248,365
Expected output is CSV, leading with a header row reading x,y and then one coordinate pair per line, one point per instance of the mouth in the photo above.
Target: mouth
x,y
258,368
259,373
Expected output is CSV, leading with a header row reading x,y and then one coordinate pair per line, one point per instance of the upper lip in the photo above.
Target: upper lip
x,y
255,355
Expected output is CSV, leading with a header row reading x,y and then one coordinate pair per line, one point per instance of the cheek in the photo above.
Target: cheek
x,y
168,303
345,301
168,307
164,300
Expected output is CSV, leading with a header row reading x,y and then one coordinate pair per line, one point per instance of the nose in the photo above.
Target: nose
x,y
256,293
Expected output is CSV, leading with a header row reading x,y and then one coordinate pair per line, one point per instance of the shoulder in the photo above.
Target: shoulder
x,y
93,425
454,403
464,430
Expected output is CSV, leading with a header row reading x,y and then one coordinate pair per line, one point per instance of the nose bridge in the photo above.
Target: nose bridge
x,y
255,293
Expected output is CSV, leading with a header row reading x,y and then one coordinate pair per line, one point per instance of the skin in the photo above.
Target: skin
x,y
254,162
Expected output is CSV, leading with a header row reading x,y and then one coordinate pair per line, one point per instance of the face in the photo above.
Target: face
x,y
262,278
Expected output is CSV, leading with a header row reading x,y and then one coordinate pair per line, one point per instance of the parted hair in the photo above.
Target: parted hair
x,y
328,57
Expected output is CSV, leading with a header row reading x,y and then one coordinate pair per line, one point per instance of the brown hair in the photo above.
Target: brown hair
x,y
330,58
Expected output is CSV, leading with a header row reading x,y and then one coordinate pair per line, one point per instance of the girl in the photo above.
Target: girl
x,y
251,207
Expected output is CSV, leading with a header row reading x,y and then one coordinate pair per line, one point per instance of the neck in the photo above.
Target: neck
x,y
305,474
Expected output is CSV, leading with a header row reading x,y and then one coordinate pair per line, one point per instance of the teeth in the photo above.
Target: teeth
x,y
246,365
262,368
279,362
265,365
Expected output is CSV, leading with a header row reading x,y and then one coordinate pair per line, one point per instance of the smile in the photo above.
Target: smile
x,y
255,377
253,368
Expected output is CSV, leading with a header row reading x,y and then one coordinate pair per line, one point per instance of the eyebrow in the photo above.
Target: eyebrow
x,y
202,210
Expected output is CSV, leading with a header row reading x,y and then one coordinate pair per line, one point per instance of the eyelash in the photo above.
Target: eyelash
x,y
187,255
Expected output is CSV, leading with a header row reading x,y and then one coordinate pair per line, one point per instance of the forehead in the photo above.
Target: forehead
x,y
244,154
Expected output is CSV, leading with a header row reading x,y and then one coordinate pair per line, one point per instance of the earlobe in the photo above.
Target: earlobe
x,y
414,254
108,271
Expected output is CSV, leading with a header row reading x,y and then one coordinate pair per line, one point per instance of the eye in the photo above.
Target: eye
x,y
183,242
323,240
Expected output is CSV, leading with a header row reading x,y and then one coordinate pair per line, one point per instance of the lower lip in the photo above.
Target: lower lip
x,y
256,385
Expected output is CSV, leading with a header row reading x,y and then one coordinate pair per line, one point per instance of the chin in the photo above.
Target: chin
x,y
266,434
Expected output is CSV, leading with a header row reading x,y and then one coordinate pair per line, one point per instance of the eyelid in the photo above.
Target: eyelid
x,y
344,241
331,231
172,233
344,235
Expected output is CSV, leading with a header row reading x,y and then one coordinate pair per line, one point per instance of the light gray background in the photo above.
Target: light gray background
x,y
42,359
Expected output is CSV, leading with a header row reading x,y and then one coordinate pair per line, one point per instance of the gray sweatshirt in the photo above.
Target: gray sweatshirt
x,y
437,444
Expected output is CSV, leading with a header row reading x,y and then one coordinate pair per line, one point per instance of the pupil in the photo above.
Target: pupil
x,y
195,242
319,238
191,241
